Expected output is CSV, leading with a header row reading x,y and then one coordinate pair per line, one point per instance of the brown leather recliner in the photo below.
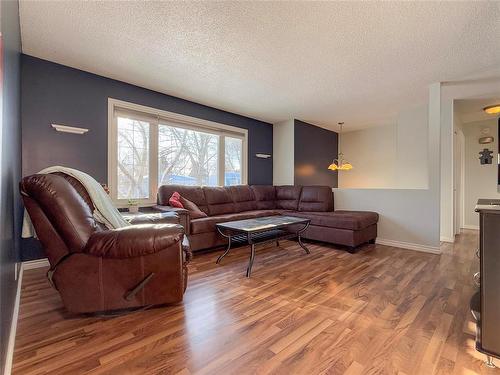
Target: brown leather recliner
x,y
96,269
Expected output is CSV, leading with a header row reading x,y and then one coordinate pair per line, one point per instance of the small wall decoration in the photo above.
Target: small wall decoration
x,y
486,156
486,140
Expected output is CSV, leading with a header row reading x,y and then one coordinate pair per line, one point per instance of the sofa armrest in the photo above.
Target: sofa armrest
x,y
153,217
134,241
182,212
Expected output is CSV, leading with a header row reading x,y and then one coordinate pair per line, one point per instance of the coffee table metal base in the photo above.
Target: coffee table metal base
x,y
253,239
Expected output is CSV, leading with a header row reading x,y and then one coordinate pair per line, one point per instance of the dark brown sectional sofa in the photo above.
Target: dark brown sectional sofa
x,y
222,204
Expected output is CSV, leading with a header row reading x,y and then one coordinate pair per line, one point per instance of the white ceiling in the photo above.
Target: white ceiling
x,y
321,62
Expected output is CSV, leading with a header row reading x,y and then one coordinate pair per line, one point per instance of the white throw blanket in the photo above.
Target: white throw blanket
x,y
105,212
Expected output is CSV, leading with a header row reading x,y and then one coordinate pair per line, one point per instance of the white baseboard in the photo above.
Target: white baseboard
x,y
29,265
474,227
409,246
13,326
447,239
37,263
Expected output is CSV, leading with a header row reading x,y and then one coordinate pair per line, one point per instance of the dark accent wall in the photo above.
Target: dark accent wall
x,y
10,159
53,93
314,149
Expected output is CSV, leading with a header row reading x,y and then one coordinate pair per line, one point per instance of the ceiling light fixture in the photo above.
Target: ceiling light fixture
x,y
340,164
492,109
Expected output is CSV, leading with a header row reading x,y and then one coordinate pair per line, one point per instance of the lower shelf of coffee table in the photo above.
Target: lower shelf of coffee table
x,y
261,237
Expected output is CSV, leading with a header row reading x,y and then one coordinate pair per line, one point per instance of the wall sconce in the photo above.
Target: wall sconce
x,y
69,129
486,140
263,156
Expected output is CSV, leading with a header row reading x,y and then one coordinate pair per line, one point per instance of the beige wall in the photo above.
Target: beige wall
x,y
480,180
391,156
412,160
372,152
409,218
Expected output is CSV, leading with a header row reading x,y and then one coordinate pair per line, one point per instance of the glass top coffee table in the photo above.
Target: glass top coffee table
x,y
262,230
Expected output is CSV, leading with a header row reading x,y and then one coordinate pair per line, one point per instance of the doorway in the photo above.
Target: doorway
x,y
474,132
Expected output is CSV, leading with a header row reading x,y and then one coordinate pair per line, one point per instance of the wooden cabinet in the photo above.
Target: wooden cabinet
x,y
486,308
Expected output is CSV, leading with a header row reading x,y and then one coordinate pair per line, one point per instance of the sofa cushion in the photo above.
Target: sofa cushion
x,y
152,217
243,198
219,200
194,210
207,224
287,197
352,220
265,196
193,193
175,200
316,199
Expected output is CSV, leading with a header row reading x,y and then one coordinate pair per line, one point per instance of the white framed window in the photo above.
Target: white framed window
x,y
148,147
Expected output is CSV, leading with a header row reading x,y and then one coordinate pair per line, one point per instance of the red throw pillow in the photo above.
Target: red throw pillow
x,y
175,200
194,210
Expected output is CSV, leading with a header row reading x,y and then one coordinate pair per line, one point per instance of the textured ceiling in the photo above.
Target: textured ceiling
x,y
321,62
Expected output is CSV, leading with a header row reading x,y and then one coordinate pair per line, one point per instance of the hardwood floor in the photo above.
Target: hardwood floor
x,y
380,311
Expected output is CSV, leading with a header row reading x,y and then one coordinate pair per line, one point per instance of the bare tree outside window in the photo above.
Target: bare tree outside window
x,y
184,156
133,159
233,161
187,157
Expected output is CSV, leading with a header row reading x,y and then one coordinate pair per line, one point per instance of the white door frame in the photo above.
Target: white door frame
x,y
459,186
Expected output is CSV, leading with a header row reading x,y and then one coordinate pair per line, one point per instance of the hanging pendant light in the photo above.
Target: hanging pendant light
x,y
340,164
